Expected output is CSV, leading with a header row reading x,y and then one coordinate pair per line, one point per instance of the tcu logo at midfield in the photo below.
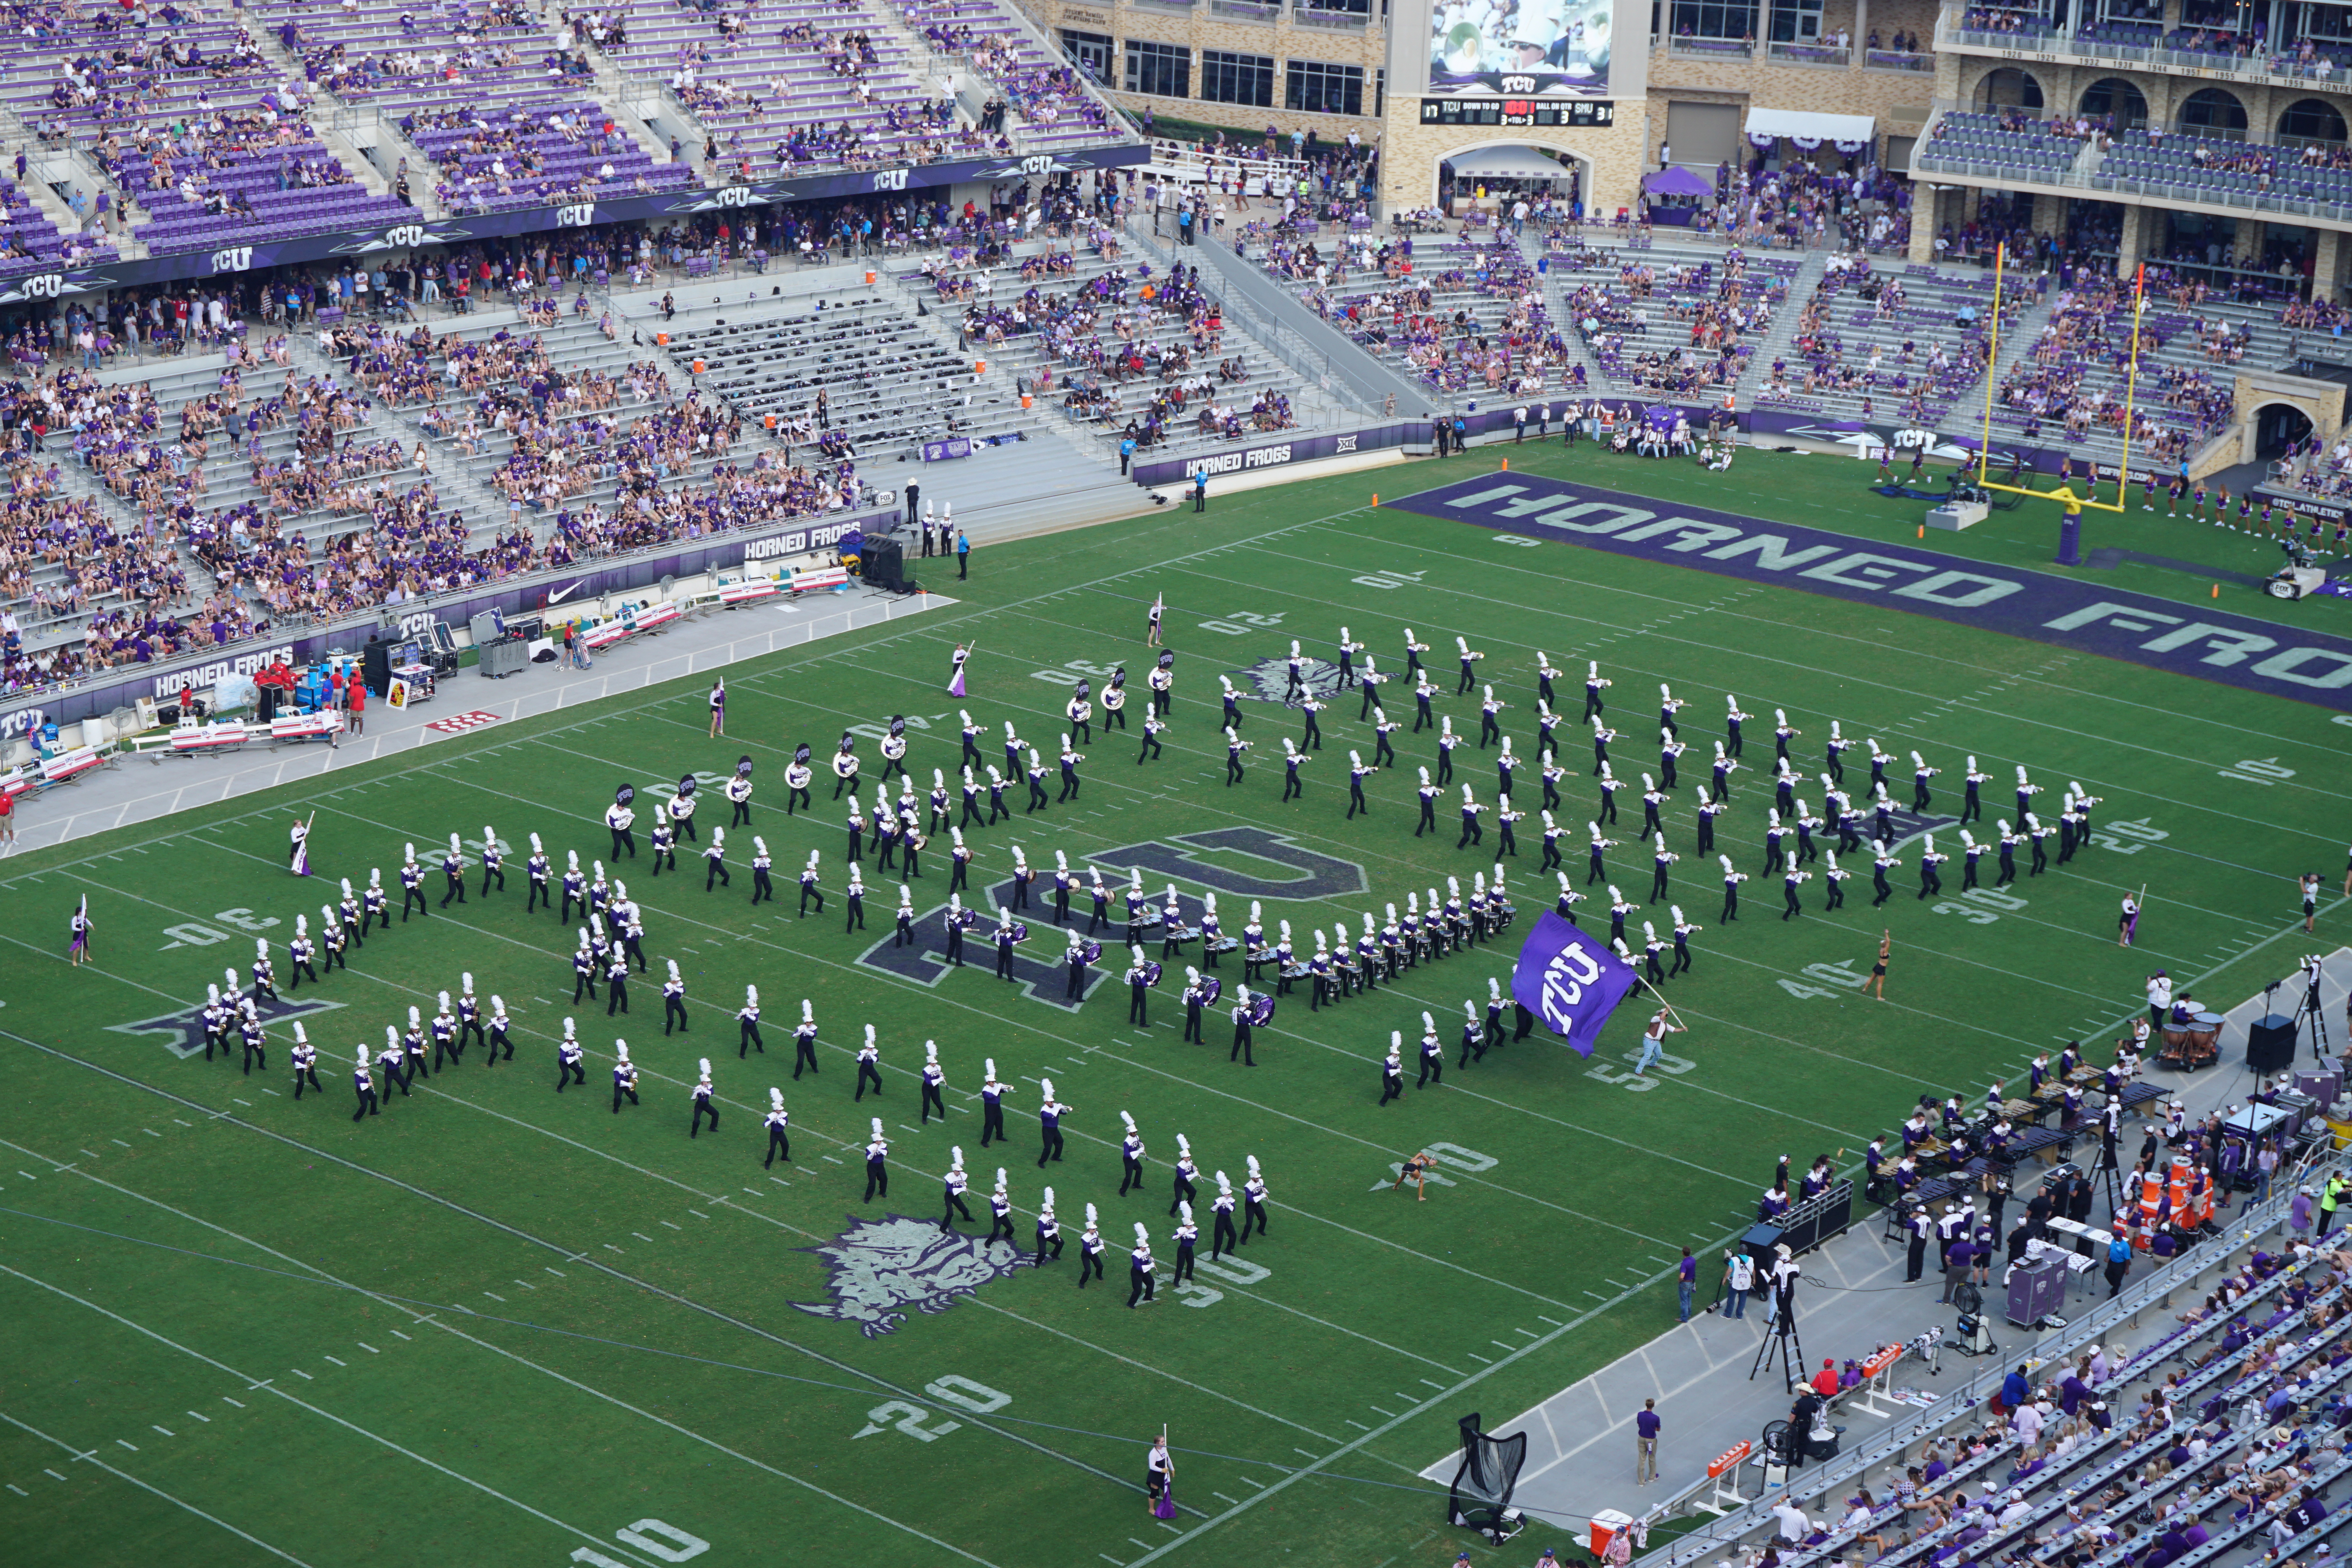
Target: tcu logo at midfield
x,y
890,179
234,259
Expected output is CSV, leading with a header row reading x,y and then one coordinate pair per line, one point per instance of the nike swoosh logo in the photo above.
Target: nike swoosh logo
x,y
559,598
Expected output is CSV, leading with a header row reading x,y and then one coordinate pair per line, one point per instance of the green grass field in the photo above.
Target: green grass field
x,y
498,1325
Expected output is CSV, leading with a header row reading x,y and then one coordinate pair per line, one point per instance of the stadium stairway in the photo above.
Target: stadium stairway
x,y
1370,380
1779,340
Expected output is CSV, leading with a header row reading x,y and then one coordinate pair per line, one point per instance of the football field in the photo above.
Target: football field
x,y
500,1324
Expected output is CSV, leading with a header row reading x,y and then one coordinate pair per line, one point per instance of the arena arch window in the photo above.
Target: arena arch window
x,y
2117,101
2312,120
2008,88
2211,112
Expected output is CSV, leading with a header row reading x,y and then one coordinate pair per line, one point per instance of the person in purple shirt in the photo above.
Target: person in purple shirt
x,y
1645,1443
1685,1282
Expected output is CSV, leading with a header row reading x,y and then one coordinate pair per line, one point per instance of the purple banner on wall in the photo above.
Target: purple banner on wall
x,y
953,447
2070,612
555,591
230,257
1569,980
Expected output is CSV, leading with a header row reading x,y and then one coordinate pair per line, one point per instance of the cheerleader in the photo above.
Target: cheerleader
x,y
1090,1250
673,998
991,1105
954,1185
499,1039
625,1077
1049,1229
780,1122
878,1164
365,1088
1000,1210
934,1080
869,1060
1253,1196
803,1041
763,888
1130,1155
305,1062
569,1055
1140,1270
705,1103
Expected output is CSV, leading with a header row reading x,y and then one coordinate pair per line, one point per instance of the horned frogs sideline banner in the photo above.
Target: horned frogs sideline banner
x,y
1569,980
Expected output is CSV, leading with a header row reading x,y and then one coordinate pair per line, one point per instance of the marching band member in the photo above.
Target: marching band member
x,y
803,1039
1130,1155
780,1121
1000,1209
934,1081
705,1103
625,1077
991,1105
674,996
953,1186
877,1167
568,1054
869,1058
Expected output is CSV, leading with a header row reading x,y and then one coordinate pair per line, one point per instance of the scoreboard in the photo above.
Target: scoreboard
x,y
1584,112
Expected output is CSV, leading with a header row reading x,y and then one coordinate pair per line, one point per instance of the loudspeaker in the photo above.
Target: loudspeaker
x,y
2270,1044
885,562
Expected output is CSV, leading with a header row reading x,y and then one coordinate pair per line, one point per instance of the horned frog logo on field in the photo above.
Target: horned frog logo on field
x,y
1269,679
880,1268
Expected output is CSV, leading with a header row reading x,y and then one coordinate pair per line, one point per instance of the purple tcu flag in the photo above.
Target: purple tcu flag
x,y
1569,980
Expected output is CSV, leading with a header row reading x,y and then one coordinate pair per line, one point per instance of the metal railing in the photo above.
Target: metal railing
x,y
1711,48
1896,61
1824,56
1334,20
2090,1328
2057,48
1310,364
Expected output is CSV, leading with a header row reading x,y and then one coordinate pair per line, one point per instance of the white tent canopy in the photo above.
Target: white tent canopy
x,y
1809,124
1509,163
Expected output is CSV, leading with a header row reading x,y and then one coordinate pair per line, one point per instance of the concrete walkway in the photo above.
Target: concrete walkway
x,y
145,789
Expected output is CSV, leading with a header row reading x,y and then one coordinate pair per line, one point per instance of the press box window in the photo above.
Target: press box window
x,y
1247,79
1160,71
